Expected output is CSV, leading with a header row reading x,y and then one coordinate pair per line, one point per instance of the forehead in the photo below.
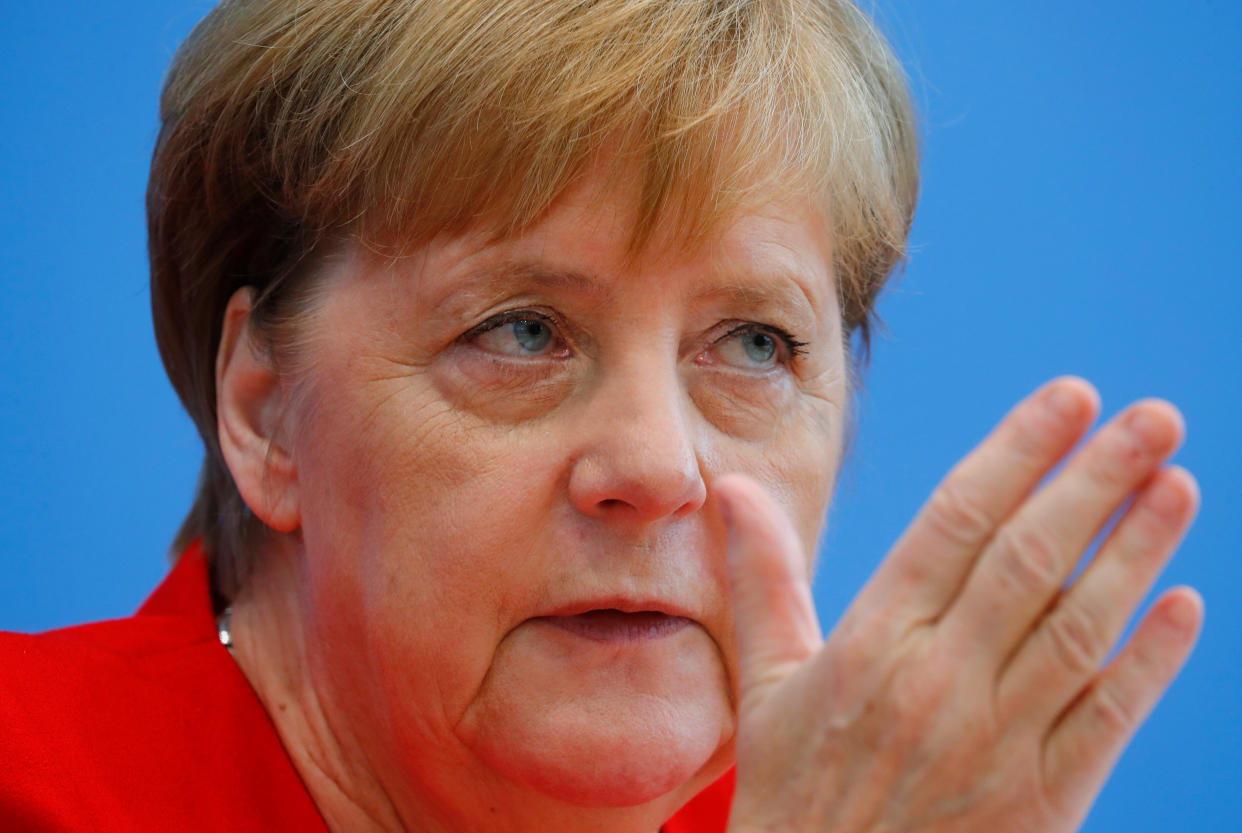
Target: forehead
x,y
775,262
771,251
587,241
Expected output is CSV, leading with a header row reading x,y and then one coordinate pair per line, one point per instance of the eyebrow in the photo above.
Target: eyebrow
x,y
780,290
538,274
777,290
497,277
772,290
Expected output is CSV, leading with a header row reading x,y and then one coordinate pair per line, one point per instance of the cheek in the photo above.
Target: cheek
x,y
422,534
810,463
798,463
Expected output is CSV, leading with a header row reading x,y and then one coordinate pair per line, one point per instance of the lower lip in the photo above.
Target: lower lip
x,y
616,627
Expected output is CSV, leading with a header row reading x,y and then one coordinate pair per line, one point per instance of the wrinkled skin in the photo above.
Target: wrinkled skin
x,y
491,433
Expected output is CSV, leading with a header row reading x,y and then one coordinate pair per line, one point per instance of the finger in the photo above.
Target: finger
x,y
1031,555
926,568
1084,745
1073,639
773,611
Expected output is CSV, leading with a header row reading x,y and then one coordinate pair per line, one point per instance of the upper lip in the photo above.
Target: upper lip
x,y
625,604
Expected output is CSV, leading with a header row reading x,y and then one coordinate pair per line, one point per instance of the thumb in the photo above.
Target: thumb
x,y
773,612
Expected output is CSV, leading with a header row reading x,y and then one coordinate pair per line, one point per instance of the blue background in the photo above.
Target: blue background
x,y
1083,166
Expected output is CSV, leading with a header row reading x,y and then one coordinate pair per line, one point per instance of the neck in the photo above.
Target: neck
x,y
270,646
353,778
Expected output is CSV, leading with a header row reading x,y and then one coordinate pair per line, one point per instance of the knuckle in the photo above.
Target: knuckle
x,y
1103,472
911,708
1035,435
1159,519
1115,463
854,642
1142,539
957,515
1077,639
1113,711
916,699
1030,559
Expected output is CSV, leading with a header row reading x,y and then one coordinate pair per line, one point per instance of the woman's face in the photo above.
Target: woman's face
x,y
505,454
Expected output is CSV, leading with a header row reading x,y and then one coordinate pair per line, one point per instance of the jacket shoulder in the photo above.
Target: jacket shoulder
x,y
136,724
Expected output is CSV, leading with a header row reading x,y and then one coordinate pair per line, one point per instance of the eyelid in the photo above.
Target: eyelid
x,y
562,346
508,317
792,346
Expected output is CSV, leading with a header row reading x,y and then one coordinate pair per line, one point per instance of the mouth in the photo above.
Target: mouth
x,y
616,626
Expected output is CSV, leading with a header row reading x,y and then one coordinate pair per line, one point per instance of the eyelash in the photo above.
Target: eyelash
x,y
794,348
509,317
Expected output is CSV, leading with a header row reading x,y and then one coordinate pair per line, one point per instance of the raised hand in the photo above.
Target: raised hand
x,y
966,689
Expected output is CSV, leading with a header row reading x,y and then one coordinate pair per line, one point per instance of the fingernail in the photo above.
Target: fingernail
x,y
726,511
1063,402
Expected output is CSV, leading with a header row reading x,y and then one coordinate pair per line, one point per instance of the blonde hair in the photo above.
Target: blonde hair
x,y
287,123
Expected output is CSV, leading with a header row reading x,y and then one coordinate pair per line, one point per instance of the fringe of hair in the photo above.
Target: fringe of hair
x,y
286,123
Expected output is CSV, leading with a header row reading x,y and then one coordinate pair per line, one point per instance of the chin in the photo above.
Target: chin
x,y
619,772
607,755
602,725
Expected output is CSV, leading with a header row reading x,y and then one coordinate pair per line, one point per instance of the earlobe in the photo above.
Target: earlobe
x,y
249,406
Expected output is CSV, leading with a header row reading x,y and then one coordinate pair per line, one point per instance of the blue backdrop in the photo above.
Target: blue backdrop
x,y
1083,165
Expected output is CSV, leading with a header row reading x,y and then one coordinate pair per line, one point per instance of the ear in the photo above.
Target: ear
x,y
250,403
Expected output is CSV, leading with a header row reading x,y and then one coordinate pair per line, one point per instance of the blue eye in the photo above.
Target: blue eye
x,y
757,347
531,336
521,334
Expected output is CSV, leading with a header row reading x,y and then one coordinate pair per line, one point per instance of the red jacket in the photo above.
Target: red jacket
x,y
147,724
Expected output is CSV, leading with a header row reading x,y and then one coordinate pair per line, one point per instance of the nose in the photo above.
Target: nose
x,y
638,463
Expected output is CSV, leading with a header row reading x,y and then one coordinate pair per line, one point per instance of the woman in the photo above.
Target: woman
x,y
502,324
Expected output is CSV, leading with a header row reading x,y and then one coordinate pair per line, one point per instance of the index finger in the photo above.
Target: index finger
x,y
928,565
